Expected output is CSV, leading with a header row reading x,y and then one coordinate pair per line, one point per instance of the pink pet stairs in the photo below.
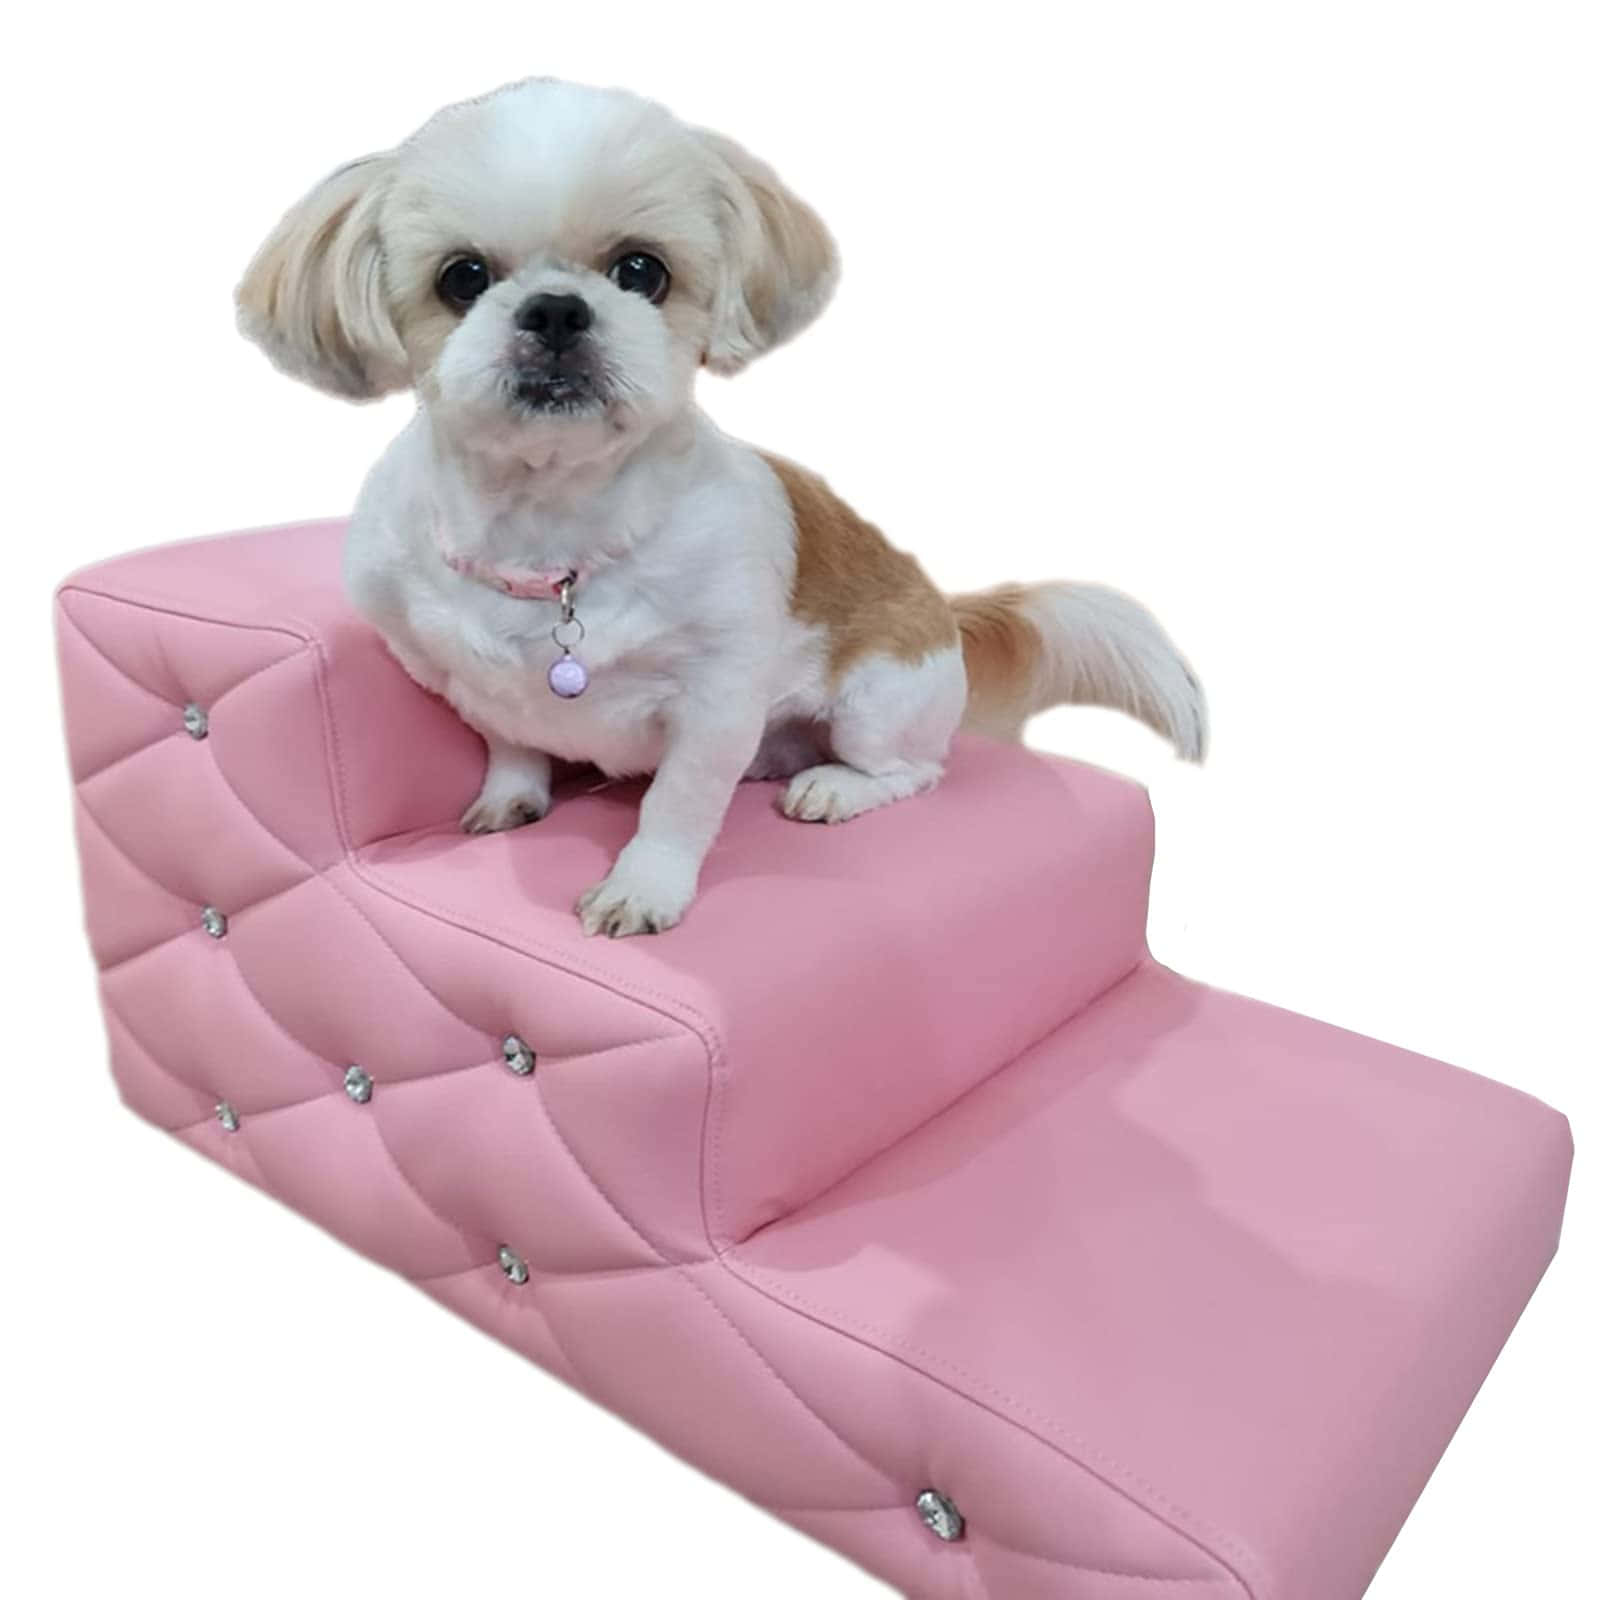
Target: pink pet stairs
x,y
898,1187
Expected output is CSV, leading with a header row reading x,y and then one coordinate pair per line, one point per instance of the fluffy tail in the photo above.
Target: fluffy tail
x,y
1050,644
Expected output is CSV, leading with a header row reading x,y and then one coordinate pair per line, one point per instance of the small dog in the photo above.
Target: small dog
x,y
567,549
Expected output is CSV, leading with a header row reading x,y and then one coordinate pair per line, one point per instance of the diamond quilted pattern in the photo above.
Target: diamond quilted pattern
x,y
200,845
160,1095
577,1167
192,1008
138,645
358,1001
132,912
524,1185
329,1159
299,812
137,717
724,1137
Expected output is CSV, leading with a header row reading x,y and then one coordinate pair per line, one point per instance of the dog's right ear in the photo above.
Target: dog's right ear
x,y
314,298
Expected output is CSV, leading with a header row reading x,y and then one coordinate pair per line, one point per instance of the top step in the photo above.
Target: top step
x,y
846,983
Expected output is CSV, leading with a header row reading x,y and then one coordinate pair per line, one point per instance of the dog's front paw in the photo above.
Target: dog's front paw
x,y
645,892
516,791
496,813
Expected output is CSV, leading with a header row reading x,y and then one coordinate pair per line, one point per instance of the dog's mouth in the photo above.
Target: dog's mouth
x,y
556,394
562,385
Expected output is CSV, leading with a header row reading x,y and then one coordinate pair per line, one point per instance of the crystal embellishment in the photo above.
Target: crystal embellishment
x,y
358,1084
228,1117
941,1516
514,1267
518,1056
213,922
195,723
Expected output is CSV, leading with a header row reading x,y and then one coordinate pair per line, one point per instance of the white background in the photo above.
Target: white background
x,y
1283,317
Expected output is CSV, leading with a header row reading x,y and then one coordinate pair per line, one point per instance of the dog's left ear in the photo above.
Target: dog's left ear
x,y
779,261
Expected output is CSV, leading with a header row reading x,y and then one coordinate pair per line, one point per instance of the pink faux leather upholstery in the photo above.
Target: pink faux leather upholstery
x,y
898,1166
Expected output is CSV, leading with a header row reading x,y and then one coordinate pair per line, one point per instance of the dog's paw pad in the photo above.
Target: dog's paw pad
x,y
637,897
834,792
828,794
497,815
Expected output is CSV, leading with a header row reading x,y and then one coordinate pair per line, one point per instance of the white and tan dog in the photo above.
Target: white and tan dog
x,y
548,267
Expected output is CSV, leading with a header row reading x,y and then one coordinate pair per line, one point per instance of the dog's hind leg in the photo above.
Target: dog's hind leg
x,y
889,728
786,748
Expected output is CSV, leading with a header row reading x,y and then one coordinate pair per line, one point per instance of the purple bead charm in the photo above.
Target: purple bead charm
x,y
568,677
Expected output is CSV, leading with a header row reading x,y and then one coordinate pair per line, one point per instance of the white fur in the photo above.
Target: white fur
x,y
683,538
1103,648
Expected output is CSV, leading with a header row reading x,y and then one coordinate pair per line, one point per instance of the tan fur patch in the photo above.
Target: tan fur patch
x,y
1002,649
848,579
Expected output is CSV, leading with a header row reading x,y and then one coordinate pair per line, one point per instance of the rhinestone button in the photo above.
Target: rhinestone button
x,y
213,922
514,1267
227,1116
941,1515
358,1084
194,721
518,1056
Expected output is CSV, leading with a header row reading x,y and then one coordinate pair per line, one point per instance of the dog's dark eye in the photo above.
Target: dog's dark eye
x,y
640,273
462,279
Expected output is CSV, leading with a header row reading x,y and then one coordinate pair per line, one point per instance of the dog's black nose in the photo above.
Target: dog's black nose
x,y
557,320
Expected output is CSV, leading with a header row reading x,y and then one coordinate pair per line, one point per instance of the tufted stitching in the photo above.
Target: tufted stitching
x,y
401,962
962,1383
673,1008
467,1239
578,1166
116,666
313,873
449,1011
331,1094
85,815
288,1033
155,1060
155,1063
573,1367
974,1542
234,789
166,888
277,1022
406,966
160,699
973,1546
312,641
1103,1572
227,778
692,1019
794,1394
679,1271
182,933
128,755
647,1269
600,1189
256,1113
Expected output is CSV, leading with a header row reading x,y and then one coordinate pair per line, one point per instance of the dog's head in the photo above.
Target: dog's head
x,y
545,259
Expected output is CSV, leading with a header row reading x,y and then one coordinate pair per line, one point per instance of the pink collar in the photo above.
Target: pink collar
x,y
521,583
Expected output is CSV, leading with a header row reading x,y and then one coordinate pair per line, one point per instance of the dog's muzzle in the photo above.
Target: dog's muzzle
x,y
552,361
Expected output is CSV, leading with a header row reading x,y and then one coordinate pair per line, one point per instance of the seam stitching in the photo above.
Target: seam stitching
x,y
675,1009
1067,1444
